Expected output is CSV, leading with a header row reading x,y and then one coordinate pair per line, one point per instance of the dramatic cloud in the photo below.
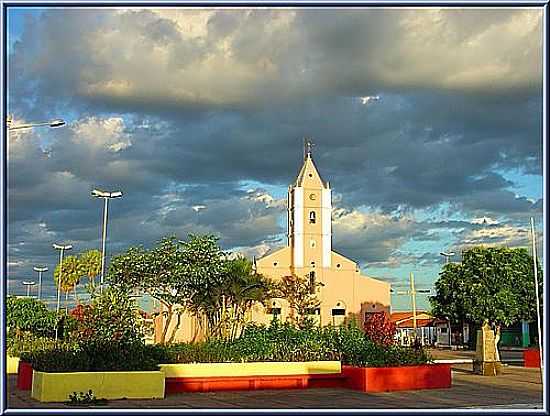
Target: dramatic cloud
x,y
424,121
220,58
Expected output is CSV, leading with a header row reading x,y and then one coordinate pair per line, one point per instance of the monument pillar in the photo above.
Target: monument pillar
x,y
487,360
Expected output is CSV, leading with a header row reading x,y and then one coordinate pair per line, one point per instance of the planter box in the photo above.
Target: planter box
x,y
56,387
24,376
381,379
11,365
204,377
531,358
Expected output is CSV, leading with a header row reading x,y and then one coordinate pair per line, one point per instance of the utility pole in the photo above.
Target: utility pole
x,y
412,293
536,290
413,301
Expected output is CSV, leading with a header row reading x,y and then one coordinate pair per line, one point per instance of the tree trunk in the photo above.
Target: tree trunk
x,y
176,327
77,300
497,340
166,324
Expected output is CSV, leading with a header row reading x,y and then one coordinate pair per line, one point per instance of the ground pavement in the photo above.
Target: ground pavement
x,y
516,388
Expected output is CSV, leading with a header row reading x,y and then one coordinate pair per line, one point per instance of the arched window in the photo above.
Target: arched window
x,y
312,217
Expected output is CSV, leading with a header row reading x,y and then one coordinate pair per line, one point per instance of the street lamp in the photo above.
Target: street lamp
x,y
29,284
40,270
61,249
106,196
447,256
52,123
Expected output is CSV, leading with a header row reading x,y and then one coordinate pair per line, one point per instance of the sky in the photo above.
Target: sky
x,y
427,123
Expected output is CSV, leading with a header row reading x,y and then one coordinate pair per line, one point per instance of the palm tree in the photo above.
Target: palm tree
x,y
72,271
91,263
243,287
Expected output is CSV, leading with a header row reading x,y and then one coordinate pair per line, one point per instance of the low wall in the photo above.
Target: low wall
x,y
56,387
383,379
250,369
205,377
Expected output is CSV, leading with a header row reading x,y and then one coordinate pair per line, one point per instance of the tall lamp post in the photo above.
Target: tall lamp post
x,y
447,256
61,249
106,196
40,270
29,285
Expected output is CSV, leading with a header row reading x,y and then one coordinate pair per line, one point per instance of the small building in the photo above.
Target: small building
x,y
429,330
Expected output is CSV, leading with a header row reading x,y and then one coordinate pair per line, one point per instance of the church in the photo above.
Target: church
x,y
344,293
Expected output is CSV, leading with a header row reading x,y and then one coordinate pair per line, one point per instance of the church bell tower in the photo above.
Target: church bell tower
x,y
309,217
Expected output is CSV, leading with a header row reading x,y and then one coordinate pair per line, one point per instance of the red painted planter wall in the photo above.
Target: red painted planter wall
x,y
531,358
24,376
206,384
380,379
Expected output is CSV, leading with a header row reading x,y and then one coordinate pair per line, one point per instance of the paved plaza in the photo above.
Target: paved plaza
x,y
516,388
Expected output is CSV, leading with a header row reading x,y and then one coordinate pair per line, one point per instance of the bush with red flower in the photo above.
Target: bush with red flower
x,y
112,316
379,329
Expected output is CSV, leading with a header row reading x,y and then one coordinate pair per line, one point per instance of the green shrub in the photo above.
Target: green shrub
x,y
27,342
97,356
284,342
277,342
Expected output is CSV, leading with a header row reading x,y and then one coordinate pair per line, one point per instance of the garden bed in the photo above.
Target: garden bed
x,y
531,358
204,377
56,387
383,379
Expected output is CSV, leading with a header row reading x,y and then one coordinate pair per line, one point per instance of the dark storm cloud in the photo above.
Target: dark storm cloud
x,y
179,107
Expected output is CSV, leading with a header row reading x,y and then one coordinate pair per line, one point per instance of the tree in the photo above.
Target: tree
x,y
452,294
159,273
71,273
205,275
301,295
28,315
379,329
492,284
240,288
91,264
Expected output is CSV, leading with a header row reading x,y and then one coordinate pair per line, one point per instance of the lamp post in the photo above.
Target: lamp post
x,y
29,285
447,256
447,259
52,123
61,249
198,209
106,196
535,269
40,270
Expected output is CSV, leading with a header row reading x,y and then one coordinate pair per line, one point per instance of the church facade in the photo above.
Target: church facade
x,y
344,293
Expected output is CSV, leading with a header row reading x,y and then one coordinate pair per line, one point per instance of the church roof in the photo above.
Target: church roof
x,y
309,175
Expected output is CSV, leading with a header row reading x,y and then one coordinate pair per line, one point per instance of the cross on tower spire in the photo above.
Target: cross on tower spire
x,y
308,144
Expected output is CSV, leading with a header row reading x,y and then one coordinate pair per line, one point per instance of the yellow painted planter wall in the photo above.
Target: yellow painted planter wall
x,y
11,365
250,369
56,387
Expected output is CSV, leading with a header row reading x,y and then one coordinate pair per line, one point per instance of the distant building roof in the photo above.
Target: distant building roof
x,y
423,319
